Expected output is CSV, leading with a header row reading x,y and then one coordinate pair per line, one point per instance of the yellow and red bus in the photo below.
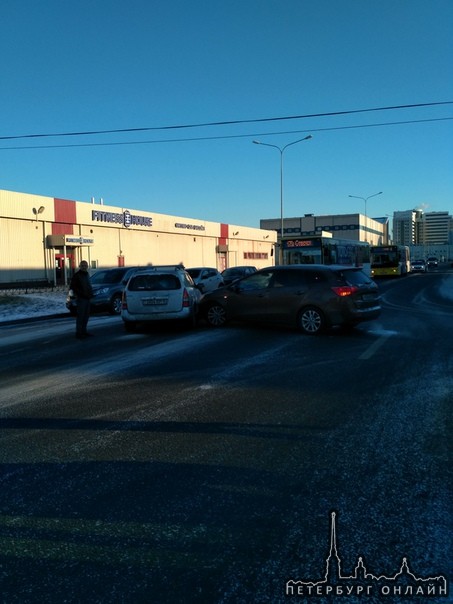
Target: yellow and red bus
x,y
390,260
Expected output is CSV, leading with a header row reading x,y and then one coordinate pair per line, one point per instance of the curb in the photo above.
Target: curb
x,y
36,319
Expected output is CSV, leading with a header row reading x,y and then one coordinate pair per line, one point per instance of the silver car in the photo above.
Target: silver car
x,y
206,278
418,266
160,293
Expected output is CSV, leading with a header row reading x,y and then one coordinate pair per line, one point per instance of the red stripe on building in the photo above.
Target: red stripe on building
x,y
224,231
62,229
65,217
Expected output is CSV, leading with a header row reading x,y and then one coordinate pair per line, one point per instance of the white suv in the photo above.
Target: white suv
x,y
160,293
206,278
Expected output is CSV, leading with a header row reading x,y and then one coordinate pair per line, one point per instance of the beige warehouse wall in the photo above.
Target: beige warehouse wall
x,y
20,205
22,249
142,248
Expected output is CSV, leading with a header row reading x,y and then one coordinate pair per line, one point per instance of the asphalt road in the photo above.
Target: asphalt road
x,y
203,466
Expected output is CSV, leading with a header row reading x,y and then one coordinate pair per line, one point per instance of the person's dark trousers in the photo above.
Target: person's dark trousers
x,y
83,314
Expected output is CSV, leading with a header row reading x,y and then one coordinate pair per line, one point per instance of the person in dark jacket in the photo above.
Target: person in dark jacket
x,y
81,286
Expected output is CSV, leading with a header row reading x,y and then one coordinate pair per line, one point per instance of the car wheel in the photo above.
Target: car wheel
x,y
216,315
130,326
115,305
311,321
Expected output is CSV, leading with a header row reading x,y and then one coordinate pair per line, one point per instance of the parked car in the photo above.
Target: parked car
x,y
432,262
236,272
108,288
206,278
310,297
160,293
418,266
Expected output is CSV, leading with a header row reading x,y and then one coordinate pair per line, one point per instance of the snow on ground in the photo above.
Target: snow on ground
x,y
446,288
24,306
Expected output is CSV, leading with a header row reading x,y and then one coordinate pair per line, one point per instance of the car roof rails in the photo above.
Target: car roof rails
x,y
178,267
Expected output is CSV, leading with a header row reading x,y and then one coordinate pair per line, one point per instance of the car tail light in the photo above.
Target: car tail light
x,y
345,290
185,299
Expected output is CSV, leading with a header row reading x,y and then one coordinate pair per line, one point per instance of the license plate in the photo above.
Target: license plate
x,y
154,301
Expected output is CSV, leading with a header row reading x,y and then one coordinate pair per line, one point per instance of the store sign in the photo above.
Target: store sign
x,y
295,243
190,227
125,218
68,240
78,240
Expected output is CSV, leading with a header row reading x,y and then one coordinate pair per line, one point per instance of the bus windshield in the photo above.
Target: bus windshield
x,y
390,260
385,259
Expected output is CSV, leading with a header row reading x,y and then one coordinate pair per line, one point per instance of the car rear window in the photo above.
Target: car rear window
x,y
354,277
105,277
194,272
233,273
153,283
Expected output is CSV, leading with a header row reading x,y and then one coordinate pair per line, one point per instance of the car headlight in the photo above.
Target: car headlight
x,y
103,290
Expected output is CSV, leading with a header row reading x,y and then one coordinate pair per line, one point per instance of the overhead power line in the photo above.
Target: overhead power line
x,y
226,123
222,137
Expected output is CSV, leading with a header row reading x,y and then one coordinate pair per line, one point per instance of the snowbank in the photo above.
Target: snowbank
x,y
24,306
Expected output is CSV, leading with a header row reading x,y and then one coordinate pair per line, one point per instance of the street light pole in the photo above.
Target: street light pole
x,y
365,199
281,151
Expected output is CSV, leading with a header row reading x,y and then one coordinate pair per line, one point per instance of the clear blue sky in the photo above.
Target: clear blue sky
x,y
108,64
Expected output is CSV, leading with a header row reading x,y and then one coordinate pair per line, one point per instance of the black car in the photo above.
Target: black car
x,y
309,297
108,287
229,275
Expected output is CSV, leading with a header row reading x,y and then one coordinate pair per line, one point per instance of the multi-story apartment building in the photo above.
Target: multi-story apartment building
x,y
427,233
405,227
436,228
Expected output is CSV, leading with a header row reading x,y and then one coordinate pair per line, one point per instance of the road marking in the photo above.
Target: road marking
x,y
369,352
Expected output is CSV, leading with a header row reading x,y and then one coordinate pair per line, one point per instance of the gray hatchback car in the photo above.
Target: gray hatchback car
x,y
108,285
236,272
310,297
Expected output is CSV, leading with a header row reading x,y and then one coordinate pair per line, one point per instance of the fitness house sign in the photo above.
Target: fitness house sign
x,y
125,218
404,583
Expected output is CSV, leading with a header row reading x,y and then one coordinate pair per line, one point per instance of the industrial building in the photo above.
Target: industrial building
x,y
43,239
355,227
